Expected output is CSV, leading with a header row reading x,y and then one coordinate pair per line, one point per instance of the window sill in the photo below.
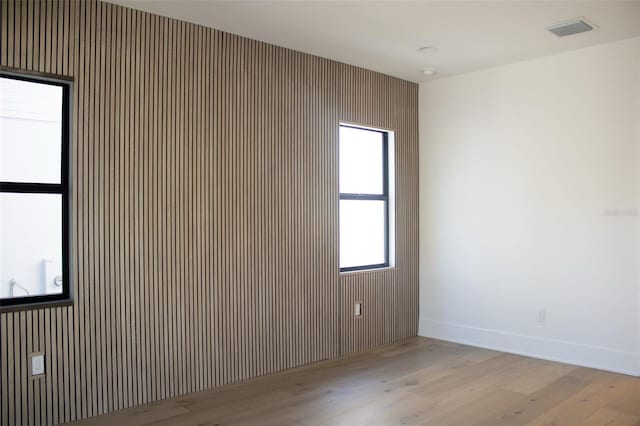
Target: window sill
x,y
369,271
38,305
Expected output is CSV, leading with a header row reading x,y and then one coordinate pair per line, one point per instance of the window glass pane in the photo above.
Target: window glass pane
x,y
30,244
30,131
361,163
362,233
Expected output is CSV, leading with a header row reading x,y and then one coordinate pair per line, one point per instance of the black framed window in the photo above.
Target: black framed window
x,y
364,198
34,191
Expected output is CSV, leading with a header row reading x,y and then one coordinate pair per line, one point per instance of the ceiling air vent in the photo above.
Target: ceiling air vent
x,y
571,26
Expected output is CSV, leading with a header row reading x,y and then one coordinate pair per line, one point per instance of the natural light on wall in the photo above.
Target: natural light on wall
x,y
365,219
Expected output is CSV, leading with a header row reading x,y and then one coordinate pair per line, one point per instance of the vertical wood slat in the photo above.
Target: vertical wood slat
x,y
205,211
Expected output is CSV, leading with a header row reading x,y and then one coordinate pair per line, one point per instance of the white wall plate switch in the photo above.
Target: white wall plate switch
x,y
37,364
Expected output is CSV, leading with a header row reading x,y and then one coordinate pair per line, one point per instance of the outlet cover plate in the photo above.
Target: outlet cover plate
x,y
542,315
358,309
37,364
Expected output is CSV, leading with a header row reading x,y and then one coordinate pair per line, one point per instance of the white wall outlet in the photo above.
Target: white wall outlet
x,y
542,315
358,309
37,364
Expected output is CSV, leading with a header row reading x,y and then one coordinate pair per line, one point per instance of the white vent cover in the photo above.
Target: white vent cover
x,y
571,26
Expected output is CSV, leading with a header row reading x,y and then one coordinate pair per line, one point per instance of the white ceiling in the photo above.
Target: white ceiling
x,y
385,35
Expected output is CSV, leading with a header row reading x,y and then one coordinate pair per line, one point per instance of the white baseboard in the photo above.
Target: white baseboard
x,y
535,347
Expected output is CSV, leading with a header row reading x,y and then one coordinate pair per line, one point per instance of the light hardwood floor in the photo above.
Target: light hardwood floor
x,y
415,381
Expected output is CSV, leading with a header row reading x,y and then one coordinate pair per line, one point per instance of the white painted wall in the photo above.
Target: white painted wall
x,y
529,198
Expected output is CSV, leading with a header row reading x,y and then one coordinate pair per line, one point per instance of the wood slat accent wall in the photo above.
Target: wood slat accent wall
x,y
205,211
390,298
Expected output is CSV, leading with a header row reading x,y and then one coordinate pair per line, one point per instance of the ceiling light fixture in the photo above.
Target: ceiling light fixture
x,y
429,72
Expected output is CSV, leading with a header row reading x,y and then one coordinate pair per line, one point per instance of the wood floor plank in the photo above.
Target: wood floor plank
x,y
606,416
533,406
477,408
535,375
607,391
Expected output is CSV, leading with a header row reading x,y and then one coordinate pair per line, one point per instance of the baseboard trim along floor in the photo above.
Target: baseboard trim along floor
x,y
533,346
